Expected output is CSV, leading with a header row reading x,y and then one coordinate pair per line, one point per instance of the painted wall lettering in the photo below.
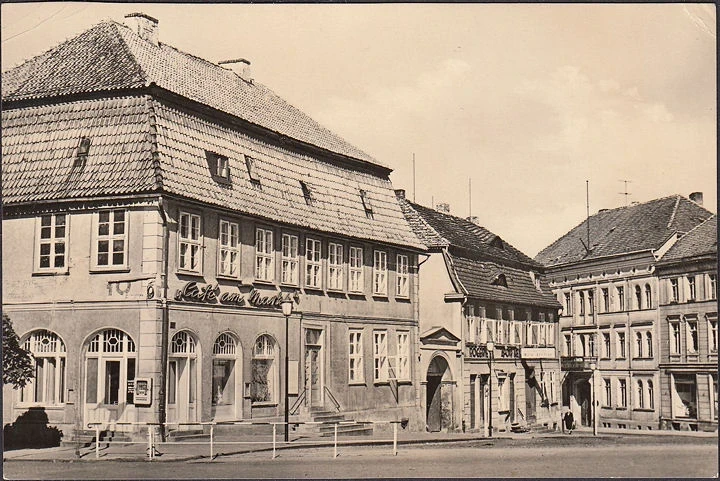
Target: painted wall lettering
x,y
210,294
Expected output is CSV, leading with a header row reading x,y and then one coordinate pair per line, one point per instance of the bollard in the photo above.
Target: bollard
x,y
335,450
274,439
151,443
212,435
395,439
97,441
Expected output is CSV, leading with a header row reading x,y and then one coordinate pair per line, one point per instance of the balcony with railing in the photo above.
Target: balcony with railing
x,y
512,339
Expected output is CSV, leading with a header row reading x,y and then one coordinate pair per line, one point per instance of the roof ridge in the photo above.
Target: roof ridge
x,y
675,208
425,222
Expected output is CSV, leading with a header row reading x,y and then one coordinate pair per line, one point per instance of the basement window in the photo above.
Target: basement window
x,y
252,171
367,204
307,193
219,166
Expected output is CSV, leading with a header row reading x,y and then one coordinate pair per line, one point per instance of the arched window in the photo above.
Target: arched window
x,y
264,386
648,297
638,344
638,297
110,368
182,391
223,379
649,343
640,394
48,385
651,395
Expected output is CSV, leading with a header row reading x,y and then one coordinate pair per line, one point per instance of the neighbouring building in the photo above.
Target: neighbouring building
x,y
158,208
477,291
603,273
687,318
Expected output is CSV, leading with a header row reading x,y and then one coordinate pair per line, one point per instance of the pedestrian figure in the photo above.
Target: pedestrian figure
x,y
569,421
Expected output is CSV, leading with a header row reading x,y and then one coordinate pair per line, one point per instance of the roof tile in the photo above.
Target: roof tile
x,y
700,241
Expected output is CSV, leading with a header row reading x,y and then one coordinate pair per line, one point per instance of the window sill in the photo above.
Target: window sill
x,y
380,295
228,277
51,273
381,383
336,291
620,408
356,293
37,405
404,382
402,298
264,404
313,289
108,270
643,410
183,272
357,383
643,358
264,282
289,284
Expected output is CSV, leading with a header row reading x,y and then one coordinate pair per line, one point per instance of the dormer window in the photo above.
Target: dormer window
x,y
497,243
499,280
252,172
307,193
219,166
82,151
367,204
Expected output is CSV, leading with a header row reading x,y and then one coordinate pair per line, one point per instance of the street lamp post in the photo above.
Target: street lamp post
x,y
593,368
491,352
287,307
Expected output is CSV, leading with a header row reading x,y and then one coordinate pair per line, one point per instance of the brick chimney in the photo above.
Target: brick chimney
x,y
240,66
144,25
697,197
474,219
400,193
443,207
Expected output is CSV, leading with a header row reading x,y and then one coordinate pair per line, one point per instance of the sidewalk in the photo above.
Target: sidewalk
x,y
227,445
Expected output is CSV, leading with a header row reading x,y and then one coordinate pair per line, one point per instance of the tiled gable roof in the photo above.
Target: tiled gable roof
x,y
477,278
437,229
700,241
39,150
110,56
639,227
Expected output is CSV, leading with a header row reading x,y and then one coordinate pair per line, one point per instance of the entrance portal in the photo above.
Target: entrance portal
x,y
313,367
438,403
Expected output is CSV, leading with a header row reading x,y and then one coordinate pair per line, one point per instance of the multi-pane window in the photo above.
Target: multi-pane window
x,y
289,273
264,265
380,273
691,288
606,345
265,371
606,300
674,337
640,397
313,275
712,335
568,304
229,249
403,356
674,290
402,286
380,361
356,372
623,392
648,297
335,266
621,298
48,384
649,344
52,242
190,243
638,297
111,238
357,279
621,345
607,398
713,286
692,336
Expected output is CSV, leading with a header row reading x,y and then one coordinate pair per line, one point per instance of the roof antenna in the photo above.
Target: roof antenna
x,y
470,195
413,177
587,204
626,193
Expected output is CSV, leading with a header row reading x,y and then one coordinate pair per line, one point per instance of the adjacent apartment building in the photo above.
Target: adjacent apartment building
x,y
488,337
157,210
603,272
687,318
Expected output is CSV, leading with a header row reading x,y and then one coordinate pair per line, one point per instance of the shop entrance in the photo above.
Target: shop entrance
x,y
438,402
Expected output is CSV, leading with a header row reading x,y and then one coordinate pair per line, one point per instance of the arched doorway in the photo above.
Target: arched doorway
x,y
110,363
438,406
183,388
226,379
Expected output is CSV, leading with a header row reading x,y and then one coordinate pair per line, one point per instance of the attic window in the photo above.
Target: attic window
x,y
82,151
367,204
252,173
219,166
499,280
497,242
307,193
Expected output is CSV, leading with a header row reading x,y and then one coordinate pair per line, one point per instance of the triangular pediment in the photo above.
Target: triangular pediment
x,y
439,335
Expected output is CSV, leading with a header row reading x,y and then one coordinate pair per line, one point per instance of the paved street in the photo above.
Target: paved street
x,y
628,456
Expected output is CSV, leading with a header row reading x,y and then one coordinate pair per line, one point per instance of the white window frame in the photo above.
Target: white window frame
x,y
193,239
356,273
110,238
607,392
356,374
53,240
336,266
650,352
639,344
402,370
230,246
46,347
402,273
620,291
380,356
313,263
290,271
712,335
674,337
622,393
674,290
692,347
650,386
712,286
380,273
622,345
606,343
264,255
692,288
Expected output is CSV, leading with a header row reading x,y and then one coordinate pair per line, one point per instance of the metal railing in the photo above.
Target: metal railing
x,y
153,443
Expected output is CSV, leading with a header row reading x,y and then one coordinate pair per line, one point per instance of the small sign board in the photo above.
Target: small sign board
x,y
537,353
143,391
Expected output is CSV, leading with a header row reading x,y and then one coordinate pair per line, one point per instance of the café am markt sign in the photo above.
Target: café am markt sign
x,y
210,294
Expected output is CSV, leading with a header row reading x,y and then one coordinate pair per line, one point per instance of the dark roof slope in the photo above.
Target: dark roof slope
x,y
638,227
437,229
110,56
700,241
477,278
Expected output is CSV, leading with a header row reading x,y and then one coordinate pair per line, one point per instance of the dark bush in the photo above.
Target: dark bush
x,y
31,430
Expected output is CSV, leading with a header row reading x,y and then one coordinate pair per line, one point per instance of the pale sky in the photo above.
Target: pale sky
x,y
527,100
